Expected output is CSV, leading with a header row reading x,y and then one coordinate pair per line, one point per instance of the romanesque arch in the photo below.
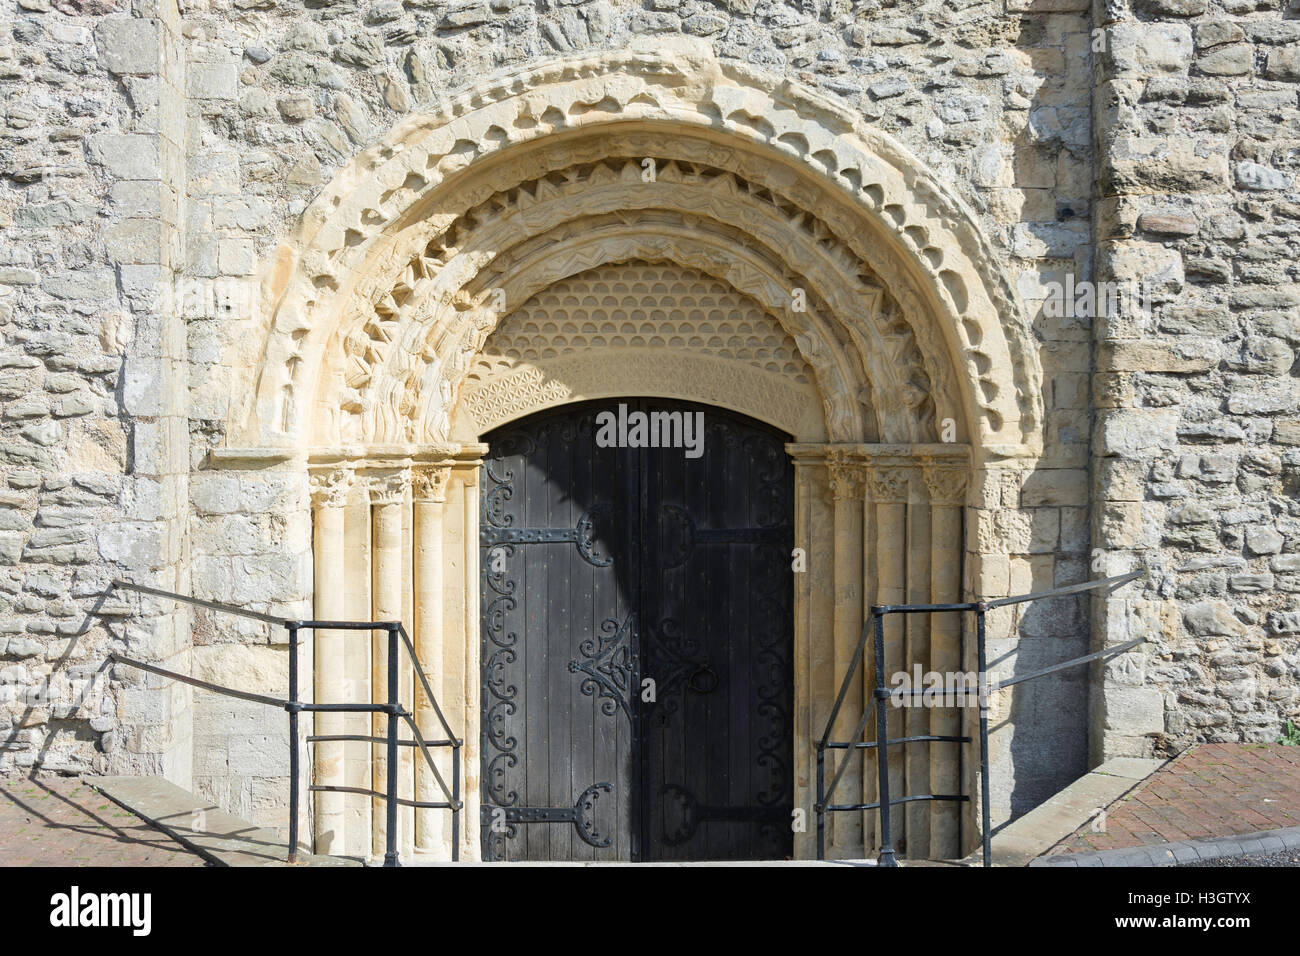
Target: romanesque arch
x,y
405,242
915,368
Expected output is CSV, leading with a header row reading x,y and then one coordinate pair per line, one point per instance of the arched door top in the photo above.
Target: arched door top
x,y
361,270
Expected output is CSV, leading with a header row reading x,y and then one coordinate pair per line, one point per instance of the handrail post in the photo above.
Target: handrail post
x,y
821,800
293,742
984,731
886,857
455,792
390,850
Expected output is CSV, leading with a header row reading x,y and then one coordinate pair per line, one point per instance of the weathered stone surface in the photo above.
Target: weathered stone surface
x,y
1235,60
129,45
1283,64
1255,176
1148,165
1138,431
1150,49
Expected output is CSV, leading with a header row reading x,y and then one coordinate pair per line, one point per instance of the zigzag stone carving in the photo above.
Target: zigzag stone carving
x,y
923,242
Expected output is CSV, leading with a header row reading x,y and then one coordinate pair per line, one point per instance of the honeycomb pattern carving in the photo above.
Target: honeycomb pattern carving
x,y
640,305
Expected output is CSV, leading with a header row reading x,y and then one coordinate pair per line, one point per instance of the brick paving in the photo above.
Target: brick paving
x,y
1211,790
59,821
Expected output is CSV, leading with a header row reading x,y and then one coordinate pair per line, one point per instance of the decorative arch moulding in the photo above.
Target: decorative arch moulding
x,y
849,186
355,457
951,454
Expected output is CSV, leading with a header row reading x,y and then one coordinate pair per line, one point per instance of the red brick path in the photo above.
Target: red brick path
x,y
1212,790
59,821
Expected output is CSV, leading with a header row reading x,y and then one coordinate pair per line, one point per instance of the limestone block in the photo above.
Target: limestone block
x,y
1264,540
1045,535
1138,165
1235,60
258,669
1178,357
133,544
1211,619
1283,64
1135,710
1049,6
1216,33
1055,487
1137,432
215,494
142,386
126,155
1256,177
1149,49
213,80
129,44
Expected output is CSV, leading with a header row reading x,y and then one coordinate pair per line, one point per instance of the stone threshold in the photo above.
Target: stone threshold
x,y
220,838
1028,837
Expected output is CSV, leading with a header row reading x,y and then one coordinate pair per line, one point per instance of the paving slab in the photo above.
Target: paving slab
x,y
221,838
49,820
1232,791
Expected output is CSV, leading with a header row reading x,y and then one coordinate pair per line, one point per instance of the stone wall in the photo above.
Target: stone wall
x,y
1197,466
93,431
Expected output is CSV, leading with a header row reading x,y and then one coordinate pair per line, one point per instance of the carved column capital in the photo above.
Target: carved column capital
x,y
889,484
329,487
946,484
388,488
429,483
847,474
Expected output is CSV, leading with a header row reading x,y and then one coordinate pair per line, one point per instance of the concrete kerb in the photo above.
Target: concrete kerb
x,y
1185,851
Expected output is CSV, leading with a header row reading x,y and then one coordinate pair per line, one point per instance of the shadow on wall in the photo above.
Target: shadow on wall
x,y
1048,718
1049,742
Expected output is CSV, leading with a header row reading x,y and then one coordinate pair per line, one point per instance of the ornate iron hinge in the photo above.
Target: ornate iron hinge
x,y
580,815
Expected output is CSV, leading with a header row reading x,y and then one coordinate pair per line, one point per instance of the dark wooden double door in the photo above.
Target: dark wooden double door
x,y
637,642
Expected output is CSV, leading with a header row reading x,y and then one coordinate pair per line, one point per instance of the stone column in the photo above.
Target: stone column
x,y
387,499
356,591
428,495
329,491
461,635
947,487
888,495
916,756
846,487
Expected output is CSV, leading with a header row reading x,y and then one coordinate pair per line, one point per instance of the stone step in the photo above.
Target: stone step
x,y
221,838
1050,822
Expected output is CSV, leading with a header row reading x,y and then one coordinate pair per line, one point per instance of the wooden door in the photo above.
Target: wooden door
x,y
637,640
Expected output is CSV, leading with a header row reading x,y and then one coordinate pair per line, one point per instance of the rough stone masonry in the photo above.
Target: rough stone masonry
x,y
154,158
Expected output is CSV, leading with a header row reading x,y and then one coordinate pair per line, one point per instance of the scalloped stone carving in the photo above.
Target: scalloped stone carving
x,y
915,231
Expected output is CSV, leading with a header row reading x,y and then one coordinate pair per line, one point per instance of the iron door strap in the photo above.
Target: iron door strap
x,y
694,813
581,815
581,534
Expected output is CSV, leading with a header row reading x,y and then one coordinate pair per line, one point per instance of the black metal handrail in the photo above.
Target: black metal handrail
x,y
397,636
881,694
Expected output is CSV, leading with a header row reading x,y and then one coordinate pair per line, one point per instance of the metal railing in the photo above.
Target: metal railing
x,y
397,637
881,695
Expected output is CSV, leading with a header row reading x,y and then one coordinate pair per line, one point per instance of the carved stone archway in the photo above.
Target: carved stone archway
x,y
906,365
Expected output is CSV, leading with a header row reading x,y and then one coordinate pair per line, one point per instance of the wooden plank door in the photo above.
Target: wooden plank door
x,y
604,567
